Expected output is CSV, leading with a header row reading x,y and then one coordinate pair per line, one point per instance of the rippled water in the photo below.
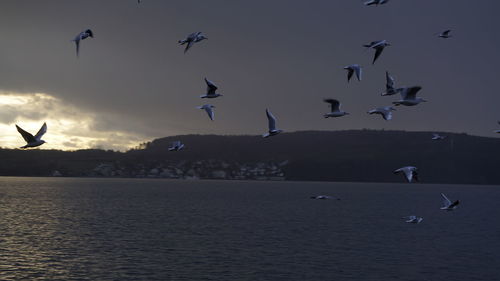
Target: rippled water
x,y
109,229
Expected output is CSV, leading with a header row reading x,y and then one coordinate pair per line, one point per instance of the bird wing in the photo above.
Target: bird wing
x,y
454,204
409,174
350,72
359,72
26,136
446,201
334,104
411,93
211,88
271,120
446,32
389,81
387,114
378,51
188,46
210,112
77,42
41,132
90,33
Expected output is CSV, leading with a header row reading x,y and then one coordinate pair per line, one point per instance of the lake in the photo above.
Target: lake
x,y
145,229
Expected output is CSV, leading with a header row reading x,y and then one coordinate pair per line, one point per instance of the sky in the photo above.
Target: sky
x,y
133,83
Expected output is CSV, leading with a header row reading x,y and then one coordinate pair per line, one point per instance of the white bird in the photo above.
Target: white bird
x,y
409,172
335,109
445,34
82,36
385,111
409,96
211,88
448,205
378,46
191,39
324,197
209,109
376,2
351,69
437,137
33,141
413,219
176,146
272,125
389,86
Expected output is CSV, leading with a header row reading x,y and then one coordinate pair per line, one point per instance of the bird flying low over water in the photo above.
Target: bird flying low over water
x,y
389,86
437,137
209,109
176,146
211,88
413,219
82,36
409,96
33,141
378,46
376,2
272,125
335,109
409,172
385,111
191,39
448,205
351,69
445,34
324,197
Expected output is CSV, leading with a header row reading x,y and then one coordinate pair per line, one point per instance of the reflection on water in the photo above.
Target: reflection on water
x,y
108,229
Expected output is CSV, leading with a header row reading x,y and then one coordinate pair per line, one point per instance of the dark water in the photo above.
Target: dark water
x,y
107,229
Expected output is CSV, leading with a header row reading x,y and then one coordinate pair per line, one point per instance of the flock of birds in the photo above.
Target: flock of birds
x,y
408,98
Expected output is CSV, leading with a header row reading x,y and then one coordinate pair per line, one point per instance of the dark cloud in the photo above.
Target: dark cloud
x,y
285,55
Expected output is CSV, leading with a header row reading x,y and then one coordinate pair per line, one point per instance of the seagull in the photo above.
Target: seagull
x,y
378,46
272,125
389,86
33,141
413,219
376,2
191,39
437,137
351,69
324,197
410,173
211,88
445,34
335,109
409,96
385,111
209,109
448,206
81,36
176,146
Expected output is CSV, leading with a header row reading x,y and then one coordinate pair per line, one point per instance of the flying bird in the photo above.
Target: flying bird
x,y
211,88
191,39
385,111
335,109
448,205
409,96
378,46
351,69
389,86
33,141
445,34
409,172
176,146
82,36
376,2
413,219
209,109
272,125
437,137
324,197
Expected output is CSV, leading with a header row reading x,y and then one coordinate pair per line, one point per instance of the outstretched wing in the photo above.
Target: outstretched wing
x,y
358,71
334,104
90,33
26,136
378,51
211,88
446,201
411,93
77,42
389,81
210,112
41,132
271,120
188,46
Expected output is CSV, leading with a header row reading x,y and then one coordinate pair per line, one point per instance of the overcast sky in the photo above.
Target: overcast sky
x,y
133,83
